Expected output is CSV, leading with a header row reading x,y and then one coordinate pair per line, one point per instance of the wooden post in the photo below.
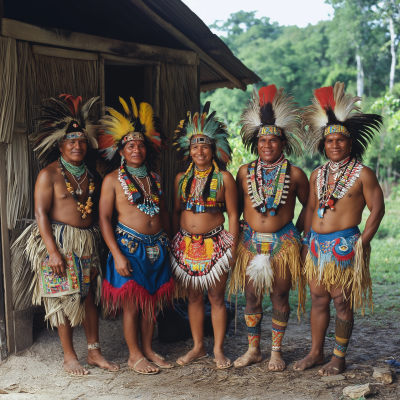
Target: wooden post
x,y
6,256
102,86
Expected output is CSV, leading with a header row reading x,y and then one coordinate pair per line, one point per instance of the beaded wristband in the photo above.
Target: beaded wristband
x,y
304,240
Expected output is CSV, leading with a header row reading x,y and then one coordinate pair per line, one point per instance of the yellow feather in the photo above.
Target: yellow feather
x,y
126,108
146,118
120,125
134,108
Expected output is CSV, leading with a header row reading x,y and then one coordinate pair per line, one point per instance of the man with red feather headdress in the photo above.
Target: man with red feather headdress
x,y
268,254
63,244
337,263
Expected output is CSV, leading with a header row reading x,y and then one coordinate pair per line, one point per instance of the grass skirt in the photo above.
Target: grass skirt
x,y
262,256
339,259
62,297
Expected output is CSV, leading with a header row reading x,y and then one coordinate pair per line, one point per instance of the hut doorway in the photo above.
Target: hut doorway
x,y
123,81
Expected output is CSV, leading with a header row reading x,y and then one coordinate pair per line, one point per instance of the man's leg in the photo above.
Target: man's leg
x,y
71,363
253,317
320,316
147,327
343,329
91,326
196,319
219,318
130,321
280,317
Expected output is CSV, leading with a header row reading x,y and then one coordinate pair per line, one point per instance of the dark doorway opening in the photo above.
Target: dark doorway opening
x,y
123,81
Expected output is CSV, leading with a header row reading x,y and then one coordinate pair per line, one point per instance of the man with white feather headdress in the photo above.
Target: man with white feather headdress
x,y
268,254
337,263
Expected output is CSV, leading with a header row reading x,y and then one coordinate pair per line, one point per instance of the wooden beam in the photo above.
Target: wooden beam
x,y
118,60
188,43
74,40
6,256
64,53
102,86
206,87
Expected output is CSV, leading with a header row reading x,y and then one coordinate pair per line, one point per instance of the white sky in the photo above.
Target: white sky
x,y
285,12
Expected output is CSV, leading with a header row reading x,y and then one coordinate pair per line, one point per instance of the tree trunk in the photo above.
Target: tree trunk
x,y
360,75
393,53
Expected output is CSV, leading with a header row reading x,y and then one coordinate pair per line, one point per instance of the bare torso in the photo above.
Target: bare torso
x,y
64,207
348,210
129,214
265,222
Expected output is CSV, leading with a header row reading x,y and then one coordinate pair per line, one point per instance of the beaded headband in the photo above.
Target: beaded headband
x,y
201,140
336,129
269,130
75,135
132,136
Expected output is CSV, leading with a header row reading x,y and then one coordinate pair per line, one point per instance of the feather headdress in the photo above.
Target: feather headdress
x,y
139,124
333,111
272,112
65,118
214,131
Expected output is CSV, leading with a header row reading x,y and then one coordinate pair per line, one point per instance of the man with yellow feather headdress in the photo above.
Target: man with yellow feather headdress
x,y
138,278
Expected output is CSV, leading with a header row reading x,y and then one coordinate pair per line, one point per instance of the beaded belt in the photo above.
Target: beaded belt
x,y
212,233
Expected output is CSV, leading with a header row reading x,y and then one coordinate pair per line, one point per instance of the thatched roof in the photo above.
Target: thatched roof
x,y
128,20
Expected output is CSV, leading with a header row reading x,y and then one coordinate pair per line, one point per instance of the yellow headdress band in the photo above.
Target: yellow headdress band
x,y
269,130
336,129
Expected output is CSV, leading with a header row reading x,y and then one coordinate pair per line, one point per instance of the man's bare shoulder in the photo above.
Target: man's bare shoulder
x,y
368,175
49,173
110,178
242,172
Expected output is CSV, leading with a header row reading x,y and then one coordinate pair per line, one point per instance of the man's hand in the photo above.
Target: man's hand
x,y
93,273
57,264
365,244
122,266
303,253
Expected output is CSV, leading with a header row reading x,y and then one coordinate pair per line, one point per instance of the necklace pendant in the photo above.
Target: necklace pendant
x,y
79,191
321,212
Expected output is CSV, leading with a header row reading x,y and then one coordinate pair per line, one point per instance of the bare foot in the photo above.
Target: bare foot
x,y
252,355
144,366
155,358
95,358
191,356
72,366
222,360
309,362
334,367
276,362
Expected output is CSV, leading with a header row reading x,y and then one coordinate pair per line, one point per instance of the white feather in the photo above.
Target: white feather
x,y
261,273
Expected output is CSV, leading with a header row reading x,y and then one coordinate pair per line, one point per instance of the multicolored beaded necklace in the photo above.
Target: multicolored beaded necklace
x,y
195,197
268,190
347,173
151,202
83,209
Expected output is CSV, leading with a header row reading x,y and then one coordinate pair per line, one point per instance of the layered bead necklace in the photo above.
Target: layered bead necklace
x,y
83,209
267,184
151,200
346,173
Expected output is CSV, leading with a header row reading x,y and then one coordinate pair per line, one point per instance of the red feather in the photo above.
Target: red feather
x,y
325,97
267,94
72,101
105,141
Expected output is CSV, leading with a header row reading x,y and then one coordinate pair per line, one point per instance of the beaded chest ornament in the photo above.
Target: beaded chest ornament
x,y
346,173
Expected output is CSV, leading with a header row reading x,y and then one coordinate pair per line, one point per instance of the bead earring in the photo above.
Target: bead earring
x,y
122,160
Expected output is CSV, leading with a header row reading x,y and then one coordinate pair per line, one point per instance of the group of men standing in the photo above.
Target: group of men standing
x,y
152,261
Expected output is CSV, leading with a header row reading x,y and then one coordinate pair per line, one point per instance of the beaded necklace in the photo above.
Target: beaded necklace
x,y
74,170
83,209
195,197
140,172
344,179
151,200
268,190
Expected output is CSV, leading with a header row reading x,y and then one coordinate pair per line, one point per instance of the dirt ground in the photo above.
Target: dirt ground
x,y
37,373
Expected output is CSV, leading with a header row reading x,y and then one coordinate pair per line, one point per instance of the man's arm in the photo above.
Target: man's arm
x,y
302,193
176,213
374,198
231,201
106,208
44,192
239,185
